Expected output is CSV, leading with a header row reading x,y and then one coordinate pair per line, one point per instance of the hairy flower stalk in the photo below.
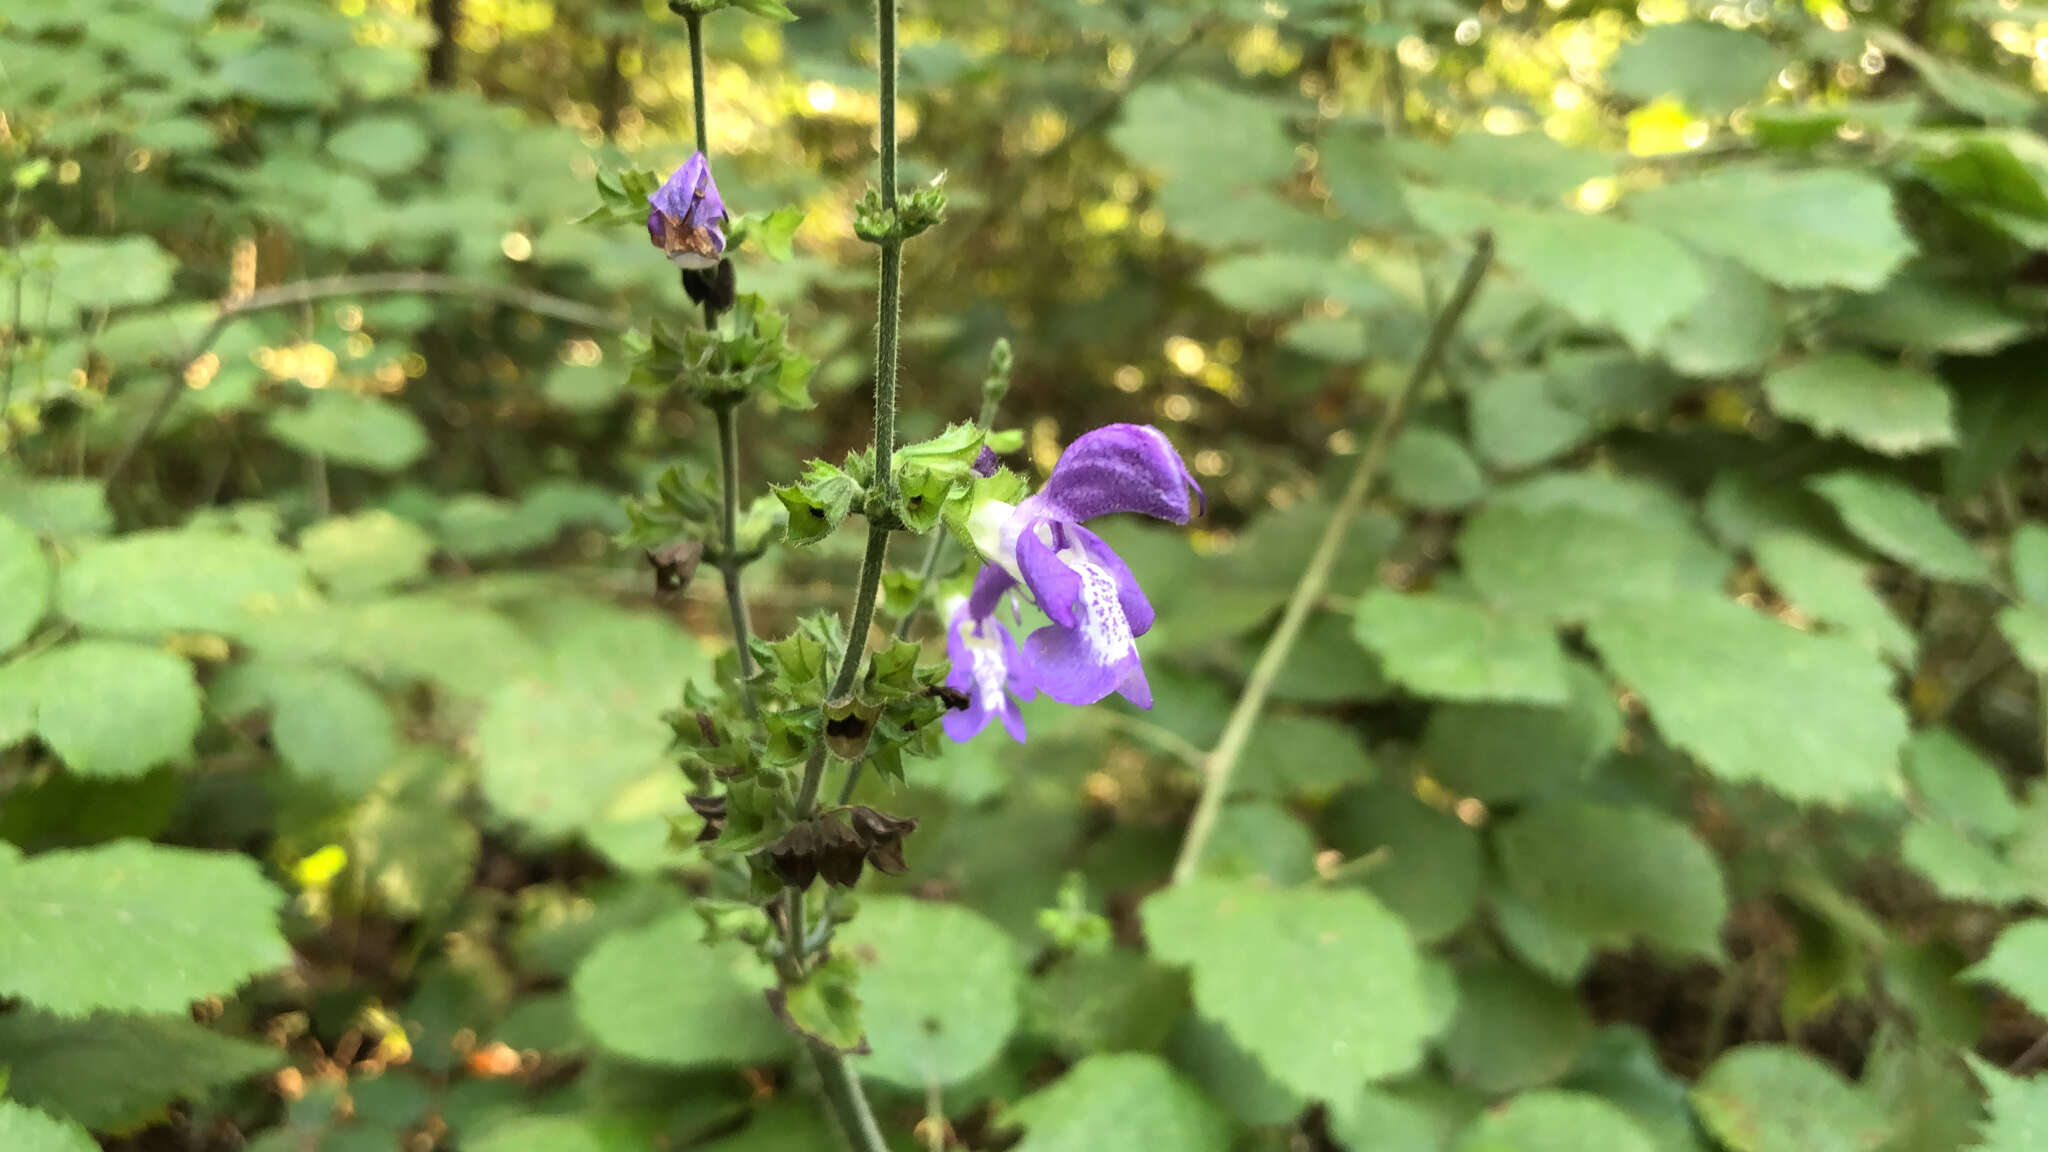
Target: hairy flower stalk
x,y
843,1090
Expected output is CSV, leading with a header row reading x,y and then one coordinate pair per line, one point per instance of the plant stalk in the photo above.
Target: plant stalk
x,y
871,565
848,1103
889,304
842,1087
728,555
887,310
1222,762
694,21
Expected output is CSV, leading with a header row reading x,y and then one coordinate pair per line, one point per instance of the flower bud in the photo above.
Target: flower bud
x,y
686,216
675,564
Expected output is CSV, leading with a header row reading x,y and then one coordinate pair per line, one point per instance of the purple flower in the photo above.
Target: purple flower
x,y
989,667
1097,609
687,216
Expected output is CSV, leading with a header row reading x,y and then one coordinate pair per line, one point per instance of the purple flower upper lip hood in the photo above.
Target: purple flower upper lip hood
x,y
687,216
1118,468
1096,607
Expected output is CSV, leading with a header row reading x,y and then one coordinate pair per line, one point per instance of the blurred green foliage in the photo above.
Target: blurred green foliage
x,y
1662,774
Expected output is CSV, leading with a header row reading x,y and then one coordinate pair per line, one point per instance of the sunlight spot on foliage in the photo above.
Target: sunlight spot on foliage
x,y
201,372
822,97
1261,51
1045,129
1122,57
1504,121
1659,127
1217,377
1106,218
308,363
318,869
1416,53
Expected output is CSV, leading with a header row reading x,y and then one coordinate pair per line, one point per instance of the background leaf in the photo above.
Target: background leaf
x,y
1582,864
1119,1103
1886,407
659,994
1435,645
938,988
1810,717
109,1072
26,574
1822,226
1709,67
1766,1098
1350,1011
133,927
112,709
1903,525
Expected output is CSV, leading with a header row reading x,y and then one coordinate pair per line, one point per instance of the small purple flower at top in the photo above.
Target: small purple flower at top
x,y
989,667
687,217
1097,609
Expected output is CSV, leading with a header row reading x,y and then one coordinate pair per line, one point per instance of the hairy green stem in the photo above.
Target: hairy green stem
x,y
851,782
887,312
729,547
842,1087
695,23
871,565
1222,762
885,71
889,304
849,1104
793,935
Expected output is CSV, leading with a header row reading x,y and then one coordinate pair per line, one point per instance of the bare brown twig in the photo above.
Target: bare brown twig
x,y
333,287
